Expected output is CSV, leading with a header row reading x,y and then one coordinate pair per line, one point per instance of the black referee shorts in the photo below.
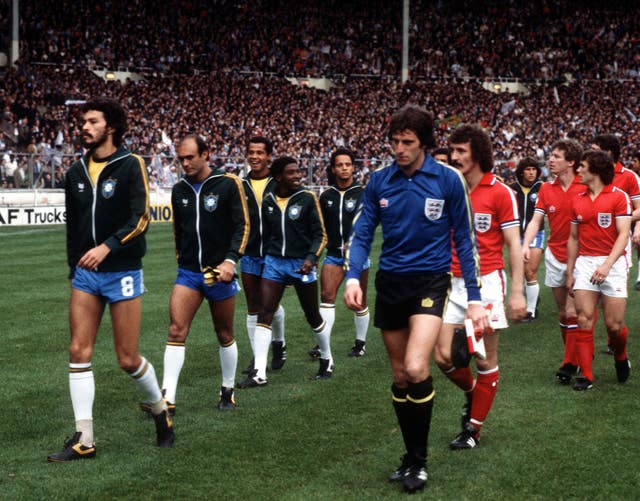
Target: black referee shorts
x,y
400,296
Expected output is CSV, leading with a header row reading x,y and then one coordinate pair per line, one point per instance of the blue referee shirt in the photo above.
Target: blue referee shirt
x,y
419,215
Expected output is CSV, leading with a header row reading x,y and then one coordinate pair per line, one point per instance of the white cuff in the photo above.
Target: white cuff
x,y
353,281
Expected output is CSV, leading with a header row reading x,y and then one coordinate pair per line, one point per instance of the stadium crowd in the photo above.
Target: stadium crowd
x,y
530,40
226,101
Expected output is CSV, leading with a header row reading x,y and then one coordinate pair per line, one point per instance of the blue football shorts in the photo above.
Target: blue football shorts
x,y
284,271
252,265
216,292
112,286
339,261
538,241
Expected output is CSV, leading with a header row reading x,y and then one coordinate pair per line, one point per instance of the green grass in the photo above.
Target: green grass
x,y
296,438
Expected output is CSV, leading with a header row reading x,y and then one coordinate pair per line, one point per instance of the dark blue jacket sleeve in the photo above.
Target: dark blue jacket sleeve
x,y
364,227
464,237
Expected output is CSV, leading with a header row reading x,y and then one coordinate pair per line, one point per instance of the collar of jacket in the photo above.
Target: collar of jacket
x,y
427,167
121,152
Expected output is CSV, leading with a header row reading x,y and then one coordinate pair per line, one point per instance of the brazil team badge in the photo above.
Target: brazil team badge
x,y
109,187
210,202
350,204
294,211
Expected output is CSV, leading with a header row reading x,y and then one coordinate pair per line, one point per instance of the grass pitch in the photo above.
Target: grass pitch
x,y
296,438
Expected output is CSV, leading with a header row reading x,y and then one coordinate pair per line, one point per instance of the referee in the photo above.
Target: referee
x,y
420,204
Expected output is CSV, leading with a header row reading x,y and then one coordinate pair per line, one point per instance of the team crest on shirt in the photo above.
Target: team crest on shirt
x,y
329,203
185,202
294,211
604,219
482,222
384,203
109,187
533,197
210,202
433,208
81,187
350,204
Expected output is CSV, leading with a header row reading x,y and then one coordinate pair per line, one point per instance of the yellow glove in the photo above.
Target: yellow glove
x,y
211,275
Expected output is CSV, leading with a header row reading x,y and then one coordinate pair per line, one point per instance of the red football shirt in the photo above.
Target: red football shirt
x,y
494,209
627,181
597,219
555,203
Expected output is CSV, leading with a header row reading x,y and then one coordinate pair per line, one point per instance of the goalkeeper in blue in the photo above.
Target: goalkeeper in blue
x,y
420,204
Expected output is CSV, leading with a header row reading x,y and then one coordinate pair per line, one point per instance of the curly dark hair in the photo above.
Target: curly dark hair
x,y
113,112
414,118
478,138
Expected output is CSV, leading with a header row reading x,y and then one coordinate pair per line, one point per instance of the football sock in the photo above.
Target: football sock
x,y
229,363
532,291
323,338
252,318
420,398
85,426
462,378
82,389
277,325
571,325
145,379
563,333
483,395
328,314
570,356
403,413
584,352
261,343
619,343
361,319
173,361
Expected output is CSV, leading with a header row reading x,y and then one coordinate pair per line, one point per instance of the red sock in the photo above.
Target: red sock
x,y
619,343
570,345
462,378
563,333
483,395
584,351
570,349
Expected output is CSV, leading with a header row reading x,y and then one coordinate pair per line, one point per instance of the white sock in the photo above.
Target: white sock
x,y
145,379
82,388
229,364
638,279
173,362
85,427
277,325
361,319
261,344
532,290
251,327
328,314
323,338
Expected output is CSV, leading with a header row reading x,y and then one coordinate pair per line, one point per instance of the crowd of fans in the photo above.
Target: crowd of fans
x,y
540,39
242,50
